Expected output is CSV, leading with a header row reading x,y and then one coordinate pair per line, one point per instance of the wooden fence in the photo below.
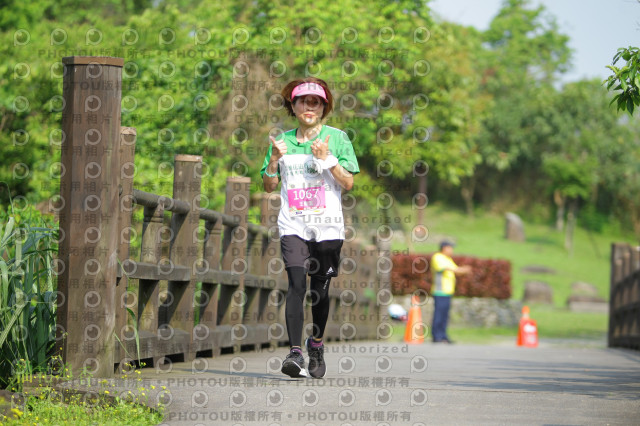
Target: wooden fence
x,y
624,302
204,280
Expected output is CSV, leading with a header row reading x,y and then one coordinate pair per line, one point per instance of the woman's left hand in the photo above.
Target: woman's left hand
x,y
320,149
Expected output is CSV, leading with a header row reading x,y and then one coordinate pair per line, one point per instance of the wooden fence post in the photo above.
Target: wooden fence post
x,y
88,221
147,314
369,292
209,296
183,251
126,148
274,269
612,294
234,253
383,294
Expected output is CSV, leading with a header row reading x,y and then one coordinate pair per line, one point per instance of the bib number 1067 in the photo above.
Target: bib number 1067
x,y
304,194
309,200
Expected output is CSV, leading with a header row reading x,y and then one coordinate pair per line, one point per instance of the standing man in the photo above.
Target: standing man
x,y
443,269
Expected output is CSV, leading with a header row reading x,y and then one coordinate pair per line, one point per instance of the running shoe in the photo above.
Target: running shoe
x,y
317,367
293,365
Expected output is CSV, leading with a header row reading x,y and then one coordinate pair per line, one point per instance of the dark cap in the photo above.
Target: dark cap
x,y
445,243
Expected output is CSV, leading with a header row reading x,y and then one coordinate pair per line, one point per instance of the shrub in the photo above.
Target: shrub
x,y
489,278
28,243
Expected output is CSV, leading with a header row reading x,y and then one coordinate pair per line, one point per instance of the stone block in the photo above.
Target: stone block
x,y
584,298
580,287
592,307
537,269
514,228
537,292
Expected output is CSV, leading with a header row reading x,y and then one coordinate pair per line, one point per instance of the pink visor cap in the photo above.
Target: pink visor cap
x,y
308,89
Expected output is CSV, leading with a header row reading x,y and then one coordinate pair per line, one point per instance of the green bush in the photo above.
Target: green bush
x,y
592,219
27,294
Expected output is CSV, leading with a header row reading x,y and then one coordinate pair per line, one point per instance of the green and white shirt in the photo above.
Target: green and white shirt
x,y
311,197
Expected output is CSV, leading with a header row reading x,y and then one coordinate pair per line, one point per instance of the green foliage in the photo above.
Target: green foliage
x,y
590,154
526,51
529,43
572,177
27,294
169,119
592,219
625,79
479,108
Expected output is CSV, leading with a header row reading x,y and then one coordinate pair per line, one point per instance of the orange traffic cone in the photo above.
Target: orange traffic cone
x,y
528,330
414,333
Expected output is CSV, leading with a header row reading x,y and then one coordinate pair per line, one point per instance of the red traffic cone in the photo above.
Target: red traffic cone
x,y
528,330
414,333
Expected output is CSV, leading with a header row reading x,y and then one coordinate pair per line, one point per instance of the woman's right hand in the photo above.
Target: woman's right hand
x,y
279,148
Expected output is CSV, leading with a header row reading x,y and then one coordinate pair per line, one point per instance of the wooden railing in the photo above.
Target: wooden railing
x,y
203,281
624,311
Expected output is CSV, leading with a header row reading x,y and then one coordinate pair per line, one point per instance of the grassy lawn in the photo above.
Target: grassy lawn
x,y
483,236
563,324
553,323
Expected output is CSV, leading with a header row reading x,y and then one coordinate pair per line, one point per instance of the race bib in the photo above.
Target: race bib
x,y
307,199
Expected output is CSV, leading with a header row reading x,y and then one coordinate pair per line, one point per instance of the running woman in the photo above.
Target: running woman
x,y
315,162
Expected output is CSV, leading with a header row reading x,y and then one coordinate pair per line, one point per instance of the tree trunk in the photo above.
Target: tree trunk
x,y
635,218
467,190
559,199
421,198
571,224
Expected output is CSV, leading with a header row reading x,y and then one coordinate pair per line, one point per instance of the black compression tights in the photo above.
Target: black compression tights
x,y
319,304
294,310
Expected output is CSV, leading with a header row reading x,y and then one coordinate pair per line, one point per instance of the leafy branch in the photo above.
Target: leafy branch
x,y
625,79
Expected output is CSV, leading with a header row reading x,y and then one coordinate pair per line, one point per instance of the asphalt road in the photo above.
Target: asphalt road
x,y
376,383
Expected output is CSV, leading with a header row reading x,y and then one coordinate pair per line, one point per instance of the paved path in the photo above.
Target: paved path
x,y
382,383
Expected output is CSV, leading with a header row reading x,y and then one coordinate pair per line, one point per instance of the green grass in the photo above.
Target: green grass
x,y
553,323
483,236
87,401
47,410
564,324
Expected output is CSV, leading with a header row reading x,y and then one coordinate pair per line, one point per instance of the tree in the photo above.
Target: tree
x,y
583,149
459,106
186,92
168,87
524,52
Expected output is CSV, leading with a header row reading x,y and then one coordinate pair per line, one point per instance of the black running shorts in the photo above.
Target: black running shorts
x,y
320,258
